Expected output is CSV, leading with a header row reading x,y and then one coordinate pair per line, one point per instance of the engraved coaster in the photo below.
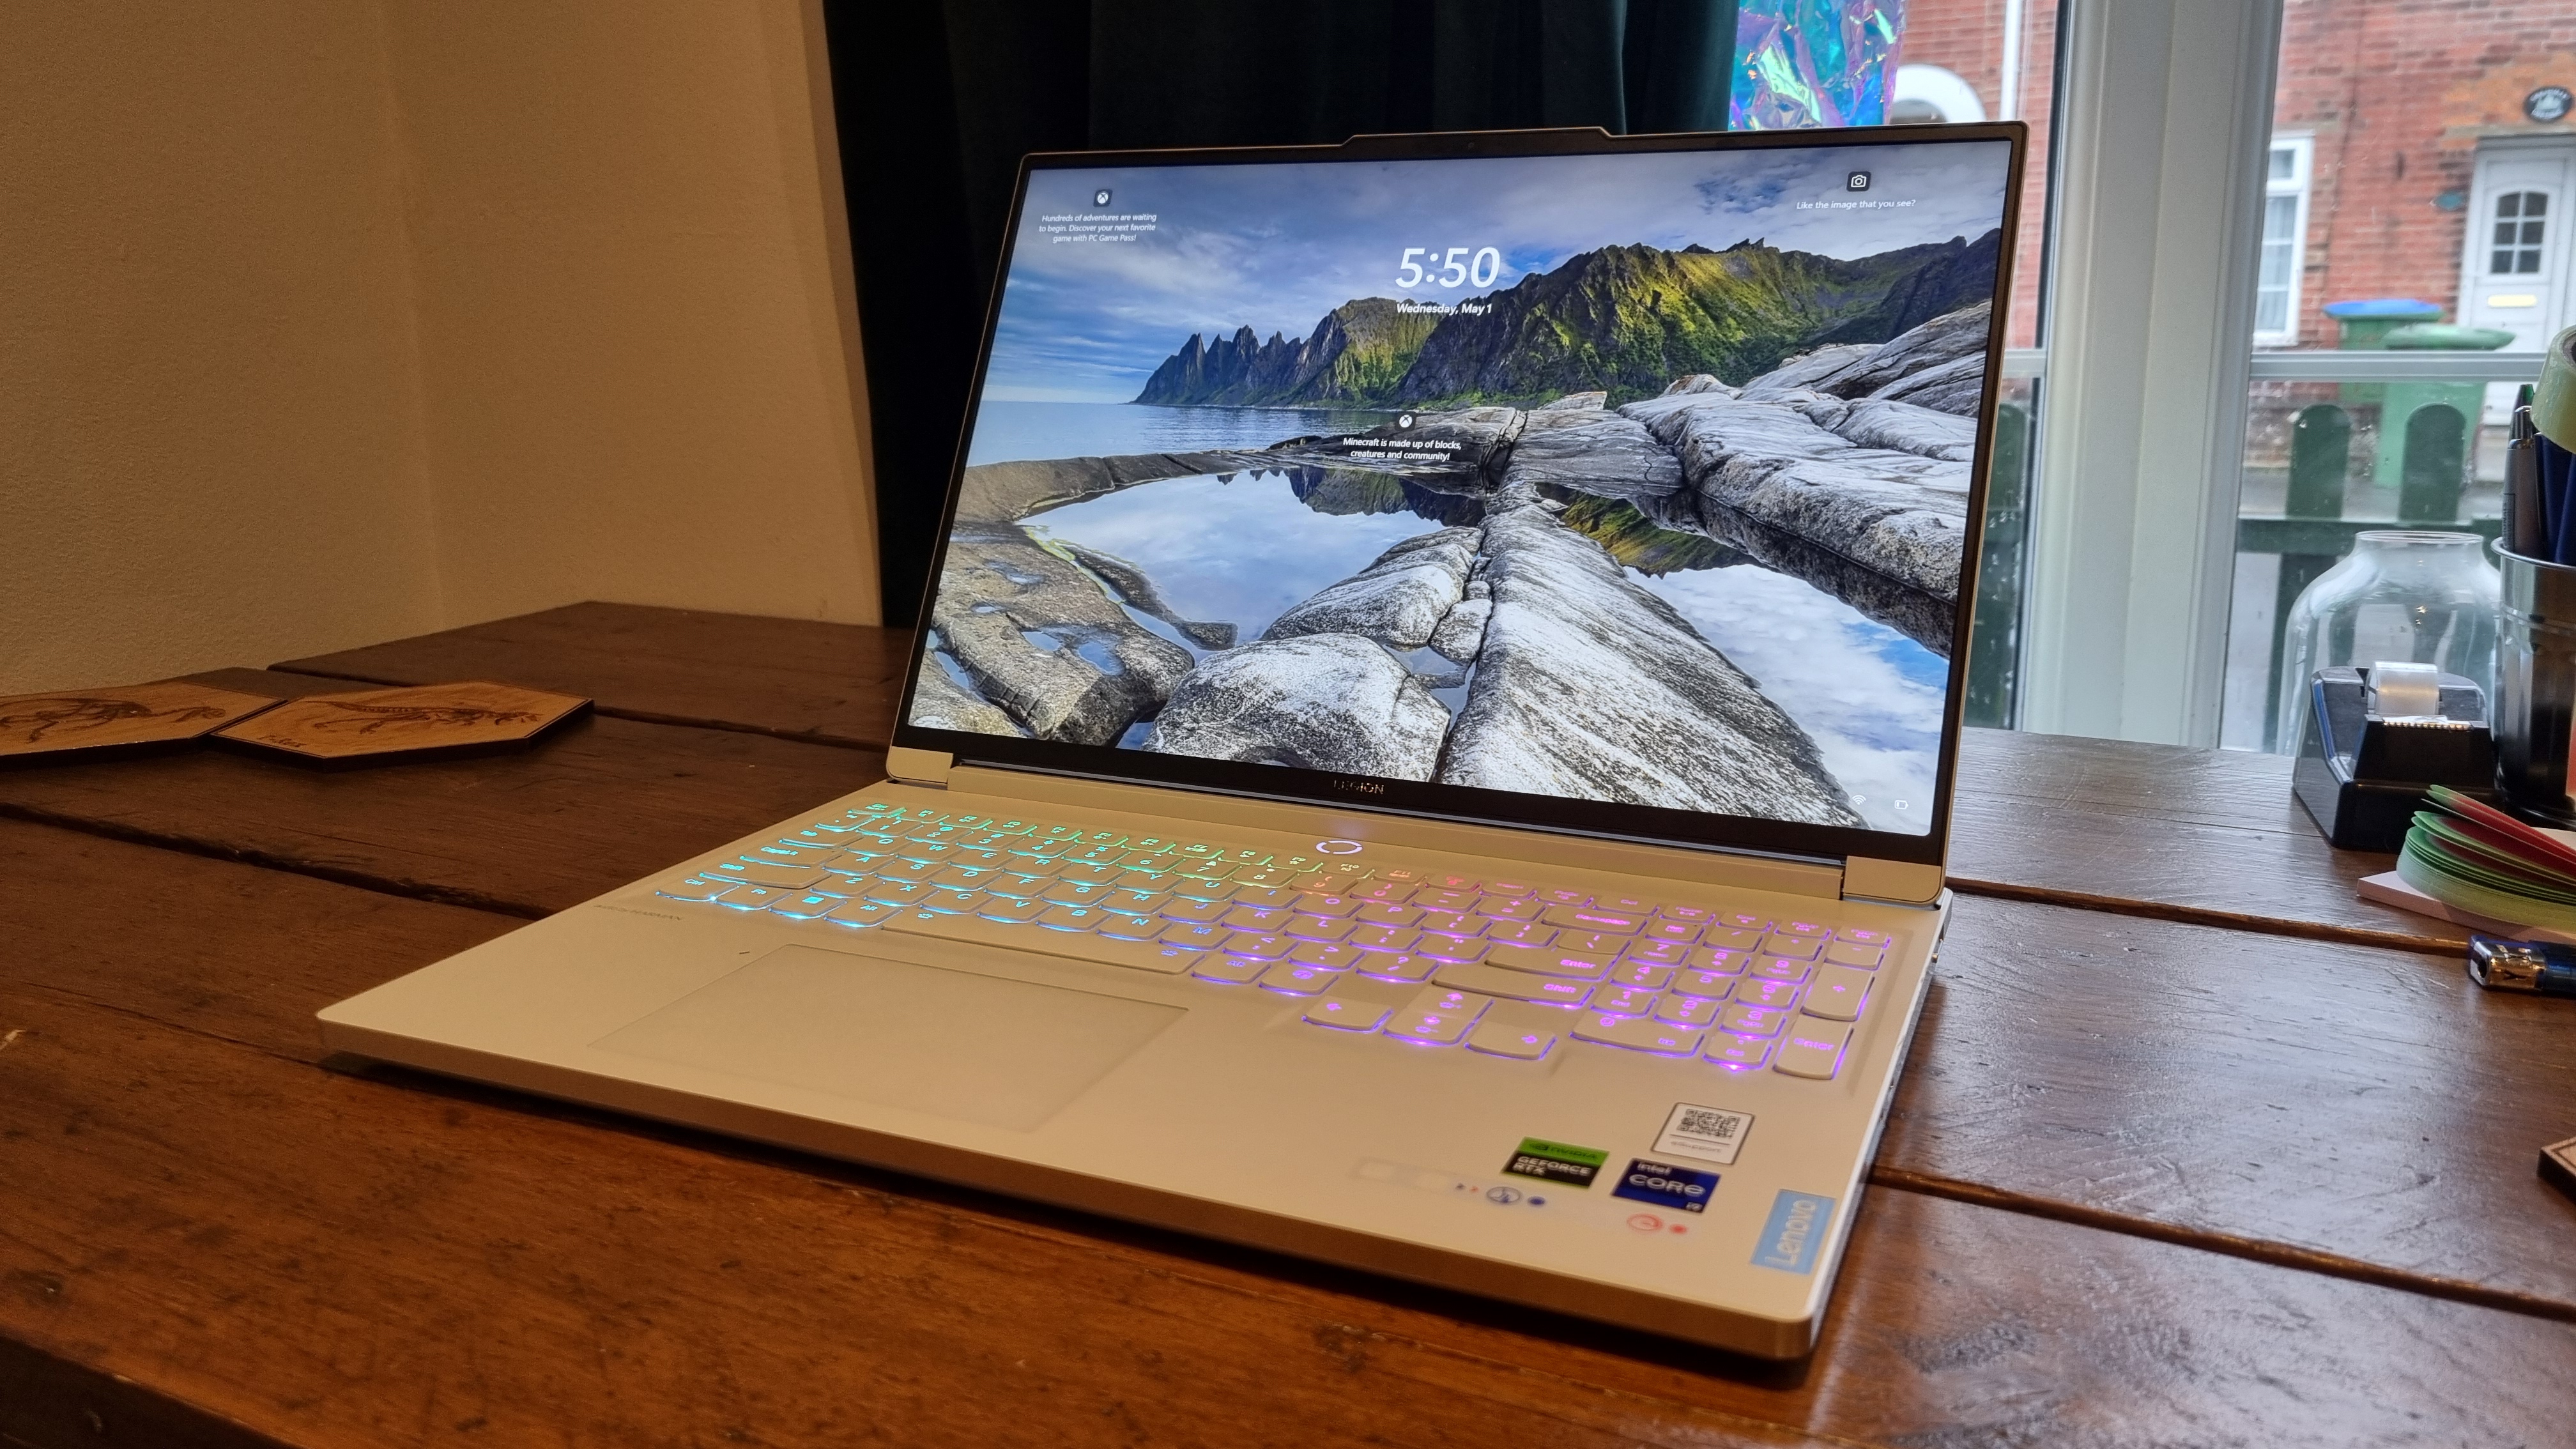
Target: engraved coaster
x,y
387,726
64,726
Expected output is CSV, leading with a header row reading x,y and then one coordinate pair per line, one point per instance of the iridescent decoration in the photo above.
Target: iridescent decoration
x,y
1814,63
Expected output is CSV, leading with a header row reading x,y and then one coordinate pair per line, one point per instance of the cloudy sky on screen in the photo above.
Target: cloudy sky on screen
x,y
1276,247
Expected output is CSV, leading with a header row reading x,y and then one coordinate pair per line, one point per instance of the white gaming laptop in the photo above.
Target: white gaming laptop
x,y
1431,744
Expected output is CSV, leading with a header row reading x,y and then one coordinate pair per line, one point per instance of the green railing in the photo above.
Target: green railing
x,y
1994,630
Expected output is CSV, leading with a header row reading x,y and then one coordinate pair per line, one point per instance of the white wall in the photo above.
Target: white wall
x,y
329,322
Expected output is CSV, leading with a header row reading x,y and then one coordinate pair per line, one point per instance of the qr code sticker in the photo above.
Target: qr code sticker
x,y
1711,1134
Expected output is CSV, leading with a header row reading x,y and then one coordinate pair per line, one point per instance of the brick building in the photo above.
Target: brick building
x,y
2400,124
1952,63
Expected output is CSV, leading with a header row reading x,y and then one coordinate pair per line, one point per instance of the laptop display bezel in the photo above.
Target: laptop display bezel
x,y
1461,803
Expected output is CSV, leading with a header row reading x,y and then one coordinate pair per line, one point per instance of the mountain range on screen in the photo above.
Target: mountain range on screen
x,y
1624,320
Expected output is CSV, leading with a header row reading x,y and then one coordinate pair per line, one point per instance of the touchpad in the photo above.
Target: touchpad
x,y
951,1043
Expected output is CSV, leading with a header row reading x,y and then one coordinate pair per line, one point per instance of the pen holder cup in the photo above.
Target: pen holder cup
x,y
2535,702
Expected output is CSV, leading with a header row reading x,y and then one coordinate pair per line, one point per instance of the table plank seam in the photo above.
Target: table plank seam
x,y
644,716
2207,916
267,860
2279,1255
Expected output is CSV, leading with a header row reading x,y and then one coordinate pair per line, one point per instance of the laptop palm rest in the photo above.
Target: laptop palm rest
x,y
954,1044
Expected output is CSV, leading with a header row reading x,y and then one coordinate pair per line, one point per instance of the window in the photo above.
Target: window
x,y
2285,232
2521,217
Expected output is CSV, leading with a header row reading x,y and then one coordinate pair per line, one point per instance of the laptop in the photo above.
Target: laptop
x,y
1431,744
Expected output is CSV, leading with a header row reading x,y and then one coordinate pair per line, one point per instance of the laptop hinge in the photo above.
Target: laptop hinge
x,y
1902,882
919,767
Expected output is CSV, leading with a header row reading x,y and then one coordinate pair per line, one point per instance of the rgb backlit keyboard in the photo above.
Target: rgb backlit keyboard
x,y
1739,989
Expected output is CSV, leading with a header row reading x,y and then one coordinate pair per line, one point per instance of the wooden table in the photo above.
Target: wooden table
x,y
2194,1147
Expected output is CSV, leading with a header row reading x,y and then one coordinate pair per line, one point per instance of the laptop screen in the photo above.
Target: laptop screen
x,y
1631,490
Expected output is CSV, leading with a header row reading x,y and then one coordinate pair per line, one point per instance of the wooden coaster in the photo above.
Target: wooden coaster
x,y
389,726
68,725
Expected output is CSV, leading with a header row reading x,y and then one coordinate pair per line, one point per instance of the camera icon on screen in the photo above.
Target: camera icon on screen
x,y
1857,181
1100,197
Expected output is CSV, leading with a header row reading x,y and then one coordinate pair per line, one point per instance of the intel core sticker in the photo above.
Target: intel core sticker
x,y
1711,1134
1797,1226
1666,1185
1556,1162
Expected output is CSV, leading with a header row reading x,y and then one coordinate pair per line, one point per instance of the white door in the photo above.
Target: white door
x,y
2514,258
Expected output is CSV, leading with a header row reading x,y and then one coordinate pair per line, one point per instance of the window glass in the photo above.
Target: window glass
x,y
2419,162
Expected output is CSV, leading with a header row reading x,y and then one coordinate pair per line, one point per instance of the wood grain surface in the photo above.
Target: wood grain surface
x,y
599,803
2149,829
199,1212
796,678
2203,835
2344,1108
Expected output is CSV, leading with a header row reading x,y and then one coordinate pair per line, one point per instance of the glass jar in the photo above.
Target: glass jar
x,y
2404,595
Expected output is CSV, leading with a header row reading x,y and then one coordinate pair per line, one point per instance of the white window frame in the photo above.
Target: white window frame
x,y
2163,135
2302,147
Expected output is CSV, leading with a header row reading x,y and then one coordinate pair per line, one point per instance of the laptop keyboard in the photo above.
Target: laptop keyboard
x,y
1687,979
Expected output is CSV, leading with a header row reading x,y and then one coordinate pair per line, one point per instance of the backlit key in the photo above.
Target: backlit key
x,y
1069,918
1594,942
1751,1020
776,877
1796,948
1134,955
1396,965
1640,1034
1103,876
1566,898
1256,918
1315,928
1011,909
1745,921
791,855
1738,1053
1433,1028
1706,983
1642,975
1519,933
805,907
1515,985
1383,938
1813,1049
1701,914
1315,904
1864,938
1804,928
1381,890
1128,928
1197,913
1782,968
1343,1014
1837,993
1134,902
1258,945
1291,979
1202,937
1277,897
1501,1039
1678,932
1446,900
699,889
1450,948
1455,882
904,868
1756,991
891,892
1446,998
1687,1010
1197,887
1629,905
1328,954
1230,970
1074,893
1378,913
861,914
1659,953
1549,961
1448,923
1509,908
1625,1001
1593,918
1727,938
1017,884
1852,953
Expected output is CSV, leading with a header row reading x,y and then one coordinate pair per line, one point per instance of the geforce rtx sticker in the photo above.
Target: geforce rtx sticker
x,y
1556,1162
1711,1134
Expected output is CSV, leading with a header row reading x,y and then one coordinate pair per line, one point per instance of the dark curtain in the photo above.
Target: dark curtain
x,y
938,100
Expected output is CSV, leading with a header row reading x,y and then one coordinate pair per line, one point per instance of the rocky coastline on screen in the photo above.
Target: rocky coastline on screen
x,y
1847,466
